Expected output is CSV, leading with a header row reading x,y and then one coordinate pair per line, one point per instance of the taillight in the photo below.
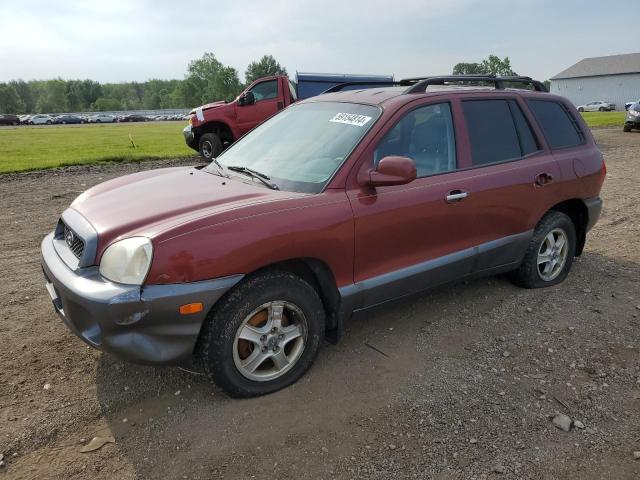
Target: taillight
x,y
603,171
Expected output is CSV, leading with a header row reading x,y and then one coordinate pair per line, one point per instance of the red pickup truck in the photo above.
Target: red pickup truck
x,y
214,125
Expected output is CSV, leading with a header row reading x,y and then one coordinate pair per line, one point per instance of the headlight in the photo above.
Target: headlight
x,y
127,261
635,113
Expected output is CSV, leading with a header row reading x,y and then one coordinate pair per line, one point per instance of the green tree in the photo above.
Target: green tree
x,y
26,94
106,105
53,97
468,69
209,80
10,101
264,67
497,66
492,65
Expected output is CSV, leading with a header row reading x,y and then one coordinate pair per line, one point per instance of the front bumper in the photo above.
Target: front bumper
x,y
190,137
139,324
632,121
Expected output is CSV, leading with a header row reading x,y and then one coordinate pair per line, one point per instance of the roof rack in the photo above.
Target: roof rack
x,y
419,85
339,87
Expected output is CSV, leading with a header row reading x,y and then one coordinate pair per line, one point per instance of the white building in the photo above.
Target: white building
x,y
614,79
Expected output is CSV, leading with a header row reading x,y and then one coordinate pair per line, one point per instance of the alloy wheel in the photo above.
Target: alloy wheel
x,y
270,341
552,254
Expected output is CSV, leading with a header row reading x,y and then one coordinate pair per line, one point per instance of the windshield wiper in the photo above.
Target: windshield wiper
x,y
220,168
254,174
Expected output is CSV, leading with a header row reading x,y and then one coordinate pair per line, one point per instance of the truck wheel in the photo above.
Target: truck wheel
x,y
263,336
550,253
210,146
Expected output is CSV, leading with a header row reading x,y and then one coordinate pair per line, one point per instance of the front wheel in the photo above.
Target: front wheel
x,y
626,128
263,336
210,146
549,256
581,109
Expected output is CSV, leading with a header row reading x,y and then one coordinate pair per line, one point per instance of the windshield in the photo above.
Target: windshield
x,y
301,148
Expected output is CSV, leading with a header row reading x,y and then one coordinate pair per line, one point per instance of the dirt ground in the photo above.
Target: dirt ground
x,y
470,377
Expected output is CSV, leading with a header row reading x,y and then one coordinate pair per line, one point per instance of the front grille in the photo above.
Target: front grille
x,y
73,241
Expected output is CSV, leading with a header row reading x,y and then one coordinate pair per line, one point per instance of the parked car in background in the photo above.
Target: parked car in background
x,y
216,125
102,118
597,107
8,119
633,118
628,104
337,204
69,119
24,119
132,117
41,120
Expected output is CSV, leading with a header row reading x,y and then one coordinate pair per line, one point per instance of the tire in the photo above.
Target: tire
x,y
602,109
581,109
48,122
209,146
626,128
222,353
530,274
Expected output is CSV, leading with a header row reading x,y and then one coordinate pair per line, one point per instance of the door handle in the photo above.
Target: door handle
x,y
542,179
280,105
456,196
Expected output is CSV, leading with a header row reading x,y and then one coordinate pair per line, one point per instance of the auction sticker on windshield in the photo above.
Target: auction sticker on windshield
x,y
351,119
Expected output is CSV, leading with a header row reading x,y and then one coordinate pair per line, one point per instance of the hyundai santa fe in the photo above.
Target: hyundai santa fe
x,y
338,203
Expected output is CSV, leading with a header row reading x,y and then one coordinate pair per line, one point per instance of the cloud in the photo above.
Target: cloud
x,y
120,40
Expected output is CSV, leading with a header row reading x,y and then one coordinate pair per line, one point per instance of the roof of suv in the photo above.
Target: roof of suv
x,y
377,96
408,89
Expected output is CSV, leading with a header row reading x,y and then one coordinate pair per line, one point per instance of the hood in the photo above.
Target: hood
x,y
149,203
209,106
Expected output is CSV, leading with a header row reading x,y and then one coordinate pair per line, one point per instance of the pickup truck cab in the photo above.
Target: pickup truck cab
x,y
214,126
337,204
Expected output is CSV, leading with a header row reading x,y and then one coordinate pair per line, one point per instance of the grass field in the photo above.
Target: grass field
x,y
34,148
604,119
30,148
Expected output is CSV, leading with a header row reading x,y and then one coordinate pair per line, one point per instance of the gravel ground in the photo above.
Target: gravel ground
x,y
467,387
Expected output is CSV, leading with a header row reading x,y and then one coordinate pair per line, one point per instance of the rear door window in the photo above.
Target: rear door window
x,y
528,142
559,127
492,131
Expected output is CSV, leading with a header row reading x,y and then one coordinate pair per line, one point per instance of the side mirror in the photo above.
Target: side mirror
x,y
247,98
391,170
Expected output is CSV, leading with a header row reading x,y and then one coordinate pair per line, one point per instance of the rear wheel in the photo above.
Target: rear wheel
x,y
602,109
263,336
210,146
550,253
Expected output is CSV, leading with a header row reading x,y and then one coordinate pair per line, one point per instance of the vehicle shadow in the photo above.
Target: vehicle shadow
x,y
178,423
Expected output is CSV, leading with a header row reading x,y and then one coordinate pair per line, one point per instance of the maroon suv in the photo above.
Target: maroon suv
x,y
339,203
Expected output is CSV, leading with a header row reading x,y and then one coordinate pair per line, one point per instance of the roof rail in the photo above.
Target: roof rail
x,y
339,87
419,85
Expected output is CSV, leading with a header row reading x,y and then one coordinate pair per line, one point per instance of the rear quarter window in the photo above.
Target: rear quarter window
x,y
559,127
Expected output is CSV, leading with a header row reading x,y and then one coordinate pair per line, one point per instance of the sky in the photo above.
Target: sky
x,y
127,40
